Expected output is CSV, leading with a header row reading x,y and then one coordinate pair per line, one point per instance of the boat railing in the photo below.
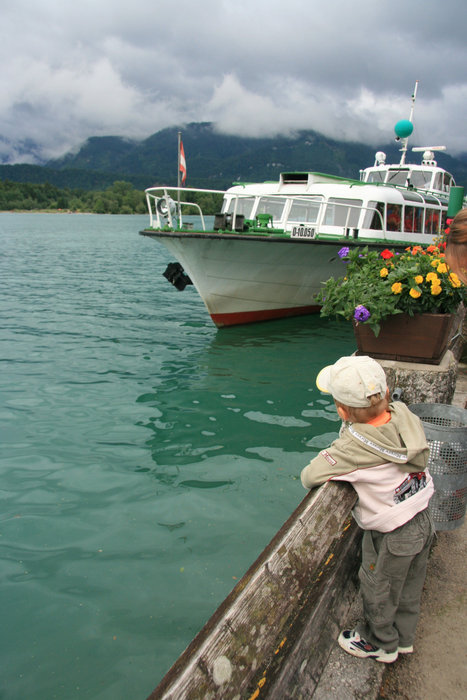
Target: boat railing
x,y
161,204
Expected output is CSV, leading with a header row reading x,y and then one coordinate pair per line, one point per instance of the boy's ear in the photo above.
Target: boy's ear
x,y
342,412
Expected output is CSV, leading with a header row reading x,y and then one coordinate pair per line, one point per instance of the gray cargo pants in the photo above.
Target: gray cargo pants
x,y
392,575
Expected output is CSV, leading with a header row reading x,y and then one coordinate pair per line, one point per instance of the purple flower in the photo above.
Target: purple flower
x,y
343,253
361,313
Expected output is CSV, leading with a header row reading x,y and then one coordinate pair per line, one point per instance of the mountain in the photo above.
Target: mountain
x,y
213,160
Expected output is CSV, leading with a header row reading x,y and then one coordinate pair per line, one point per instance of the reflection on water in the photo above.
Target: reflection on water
x,y
147,457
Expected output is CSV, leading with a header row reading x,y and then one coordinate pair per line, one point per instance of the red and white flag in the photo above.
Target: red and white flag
x,y
182,163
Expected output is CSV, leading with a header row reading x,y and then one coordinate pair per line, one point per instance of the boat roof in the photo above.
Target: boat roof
x,y
321,185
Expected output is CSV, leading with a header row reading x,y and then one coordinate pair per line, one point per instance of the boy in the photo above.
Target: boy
x,y
383,453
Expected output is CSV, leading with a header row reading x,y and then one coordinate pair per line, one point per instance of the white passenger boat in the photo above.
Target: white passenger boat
x,y
273,244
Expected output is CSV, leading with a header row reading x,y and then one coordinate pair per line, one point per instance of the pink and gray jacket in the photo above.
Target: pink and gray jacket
x,y
386,466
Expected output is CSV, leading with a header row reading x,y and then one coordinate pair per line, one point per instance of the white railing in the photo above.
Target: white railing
x,y
160,203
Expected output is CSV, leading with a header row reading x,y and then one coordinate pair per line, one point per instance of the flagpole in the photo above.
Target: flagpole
x,y
178,174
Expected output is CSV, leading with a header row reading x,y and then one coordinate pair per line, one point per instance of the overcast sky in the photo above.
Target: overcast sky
x,y
78,68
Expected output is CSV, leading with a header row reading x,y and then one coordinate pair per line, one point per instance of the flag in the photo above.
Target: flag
x,y
182,163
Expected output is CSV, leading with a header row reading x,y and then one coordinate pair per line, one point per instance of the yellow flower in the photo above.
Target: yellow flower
x,y
454,280
442,267
436,289
384,272
396,288
419,279
435,263
414,293
432,277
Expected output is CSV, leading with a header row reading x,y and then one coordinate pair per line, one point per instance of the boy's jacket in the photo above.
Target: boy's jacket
x,y
386,465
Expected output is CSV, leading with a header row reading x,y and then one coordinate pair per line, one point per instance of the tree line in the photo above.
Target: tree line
x,y
119,198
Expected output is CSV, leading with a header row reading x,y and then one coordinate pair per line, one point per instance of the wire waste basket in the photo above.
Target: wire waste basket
x,y
445,430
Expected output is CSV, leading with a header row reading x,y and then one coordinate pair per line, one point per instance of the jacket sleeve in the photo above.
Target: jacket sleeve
x,y
327,464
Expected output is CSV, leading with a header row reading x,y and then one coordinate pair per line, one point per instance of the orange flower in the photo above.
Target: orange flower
x,y
415,293
396,288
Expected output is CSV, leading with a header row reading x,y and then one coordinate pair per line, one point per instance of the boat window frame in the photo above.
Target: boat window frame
x,y
416,215
231,200
315,200
428,227
343,203
396,217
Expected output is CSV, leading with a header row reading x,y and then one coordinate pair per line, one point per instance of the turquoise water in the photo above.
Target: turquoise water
x,y
147,457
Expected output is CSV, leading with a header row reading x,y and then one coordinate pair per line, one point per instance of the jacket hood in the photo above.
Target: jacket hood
x,y
401,441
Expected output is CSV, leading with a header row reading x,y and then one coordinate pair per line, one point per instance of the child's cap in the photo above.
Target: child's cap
x,y
351,380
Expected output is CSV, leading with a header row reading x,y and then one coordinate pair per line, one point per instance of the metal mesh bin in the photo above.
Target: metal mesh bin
x,y
445,430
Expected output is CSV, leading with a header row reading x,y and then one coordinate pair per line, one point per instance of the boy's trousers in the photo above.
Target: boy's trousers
x,y
392,575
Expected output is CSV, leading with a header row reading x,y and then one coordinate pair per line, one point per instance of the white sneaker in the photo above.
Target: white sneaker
x,y
352,643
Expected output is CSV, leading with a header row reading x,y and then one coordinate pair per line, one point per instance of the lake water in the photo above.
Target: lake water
x,y
147,458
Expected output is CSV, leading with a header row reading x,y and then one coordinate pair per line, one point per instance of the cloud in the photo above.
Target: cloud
x,y
255,67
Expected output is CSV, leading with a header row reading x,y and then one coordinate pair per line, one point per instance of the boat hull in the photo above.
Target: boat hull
x,y
246,279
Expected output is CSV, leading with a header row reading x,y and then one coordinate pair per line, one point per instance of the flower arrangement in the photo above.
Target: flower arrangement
x,y
380,284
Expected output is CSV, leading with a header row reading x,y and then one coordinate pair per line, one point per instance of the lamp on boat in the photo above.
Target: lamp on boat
x,y
380,158
166,205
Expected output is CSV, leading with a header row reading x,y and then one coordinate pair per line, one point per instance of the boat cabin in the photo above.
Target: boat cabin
x,y
351,208
427,176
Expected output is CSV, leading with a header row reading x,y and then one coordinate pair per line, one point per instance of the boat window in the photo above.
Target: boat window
x,y
271,205
244,206
394,217
376,176
398,177
432,221
438,182
374,219
447,182
413,219
343,212
420,178
304,211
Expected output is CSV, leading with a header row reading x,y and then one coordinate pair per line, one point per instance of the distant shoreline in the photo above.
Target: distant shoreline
x,y
62,211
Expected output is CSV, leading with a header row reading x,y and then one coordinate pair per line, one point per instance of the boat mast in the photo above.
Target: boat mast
x,y
178,173
406,140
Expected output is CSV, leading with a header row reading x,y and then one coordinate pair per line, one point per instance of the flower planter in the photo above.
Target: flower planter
x,y
421,338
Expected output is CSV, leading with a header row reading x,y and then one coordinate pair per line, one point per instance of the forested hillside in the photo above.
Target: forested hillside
x,y
214,160
119,198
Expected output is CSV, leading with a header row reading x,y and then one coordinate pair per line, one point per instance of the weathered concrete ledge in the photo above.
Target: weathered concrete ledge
x,y
273,634
421,383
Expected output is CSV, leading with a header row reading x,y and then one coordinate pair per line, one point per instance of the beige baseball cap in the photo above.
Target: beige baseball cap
x,y
351,380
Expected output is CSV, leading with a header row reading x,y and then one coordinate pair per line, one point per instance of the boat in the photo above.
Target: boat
x,y
273,244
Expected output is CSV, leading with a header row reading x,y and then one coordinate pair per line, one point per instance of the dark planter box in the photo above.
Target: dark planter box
x,y
420,338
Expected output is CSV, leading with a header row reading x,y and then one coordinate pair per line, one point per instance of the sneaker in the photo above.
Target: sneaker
x,y
405,650
352,643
